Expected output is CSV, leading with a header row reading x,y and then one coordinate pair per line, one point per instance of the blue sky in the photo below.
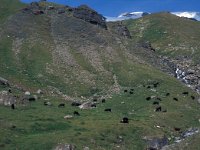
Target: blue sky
x,y
116,7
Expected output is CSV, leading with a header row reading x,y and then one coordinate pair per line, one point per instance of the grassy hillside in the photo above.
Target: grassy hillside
x,y
9,7
170,35
69,57
43,127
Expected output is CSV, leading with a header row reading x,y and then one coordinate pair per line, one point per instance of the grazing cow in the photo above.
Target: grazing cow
x,y
158,98
93,105
155,103
131,89
9,91
108,109
177,129
148,98
158,109
124,120
131,92
94,100
167,94
125,91
176,99
32,99
148,87
76,104
192,97
76,113
13,106
103,100
61,105
47,103
185,93
155,84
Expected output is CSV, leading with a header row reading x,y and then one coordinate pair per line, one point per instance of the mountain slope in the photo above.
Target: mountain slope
x,y
173,39
73,58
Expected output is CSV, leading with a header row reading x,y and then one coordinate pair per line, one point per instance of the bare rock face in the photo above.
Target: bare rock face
x,y
156,143
65,147
123,31
87,14
188,74
33,8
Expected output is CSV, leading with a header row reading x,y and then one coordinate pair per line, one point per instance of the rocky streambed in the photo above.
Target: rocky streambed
x,y
181,139
185,71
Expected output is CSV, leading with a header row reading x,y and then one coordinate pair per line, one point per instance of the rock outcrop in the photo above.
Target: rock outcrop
x,y
156,143
122,30
89,15
188,74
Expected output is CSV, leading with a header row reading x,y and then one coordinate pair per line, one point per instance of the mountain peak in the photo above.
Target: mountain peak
x,y
135,15
186,14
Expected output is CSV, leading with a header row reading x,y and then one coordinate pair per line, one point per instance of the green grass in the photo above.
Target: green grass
x,y
162,29
9,7
82,61
42,127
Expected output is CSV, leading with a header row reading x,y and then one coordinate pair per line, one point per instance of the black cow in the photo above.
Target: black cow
x,y
148,98
47,104
176,99
94,100
9,91
155,103
93,105
185,93
31,99
158,109
167,94
76,104
131,89
108,109
155,84
148,87
103,100
125,91
61,105
76,113
124,120
131,92
177,129
12,106
192,97
158,98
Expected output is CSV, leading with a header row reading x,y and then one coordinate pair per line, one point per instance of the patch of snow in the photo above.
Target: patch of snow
x,y
135,15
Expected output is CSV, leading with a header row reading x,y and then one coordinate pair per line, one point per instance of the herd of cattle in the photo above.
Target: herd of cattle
x,y
155,101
